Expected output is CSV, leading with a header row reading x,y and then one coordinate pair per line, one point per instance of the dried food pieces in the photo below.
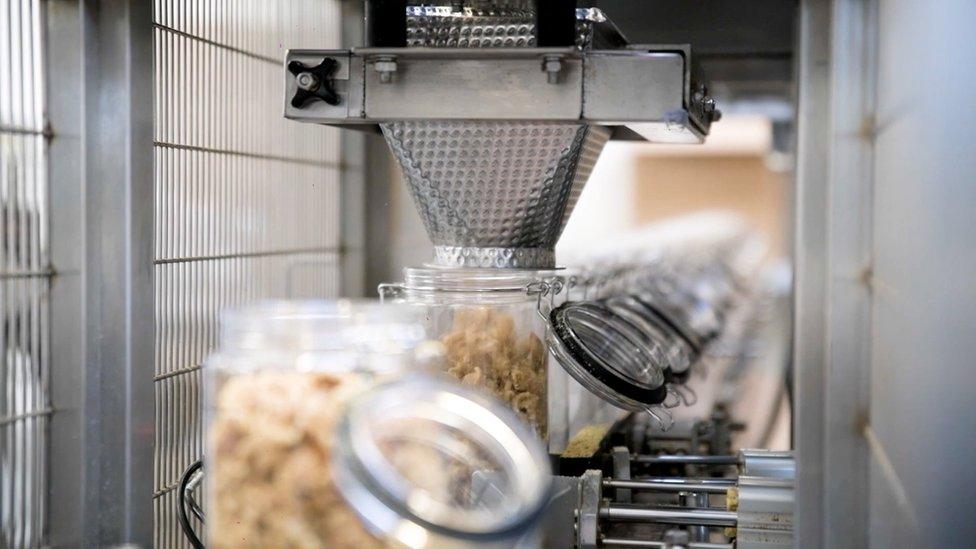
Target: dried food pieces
x,y
587,441
485,348
271,458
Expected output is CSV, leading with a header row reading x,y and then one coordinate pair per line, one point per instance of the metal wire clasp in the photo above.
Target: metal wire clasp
x,y
543,289
389,290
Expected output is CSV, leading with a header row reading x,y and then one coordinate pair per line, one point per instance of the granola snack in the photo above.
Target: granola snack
x,y
271,464
484,350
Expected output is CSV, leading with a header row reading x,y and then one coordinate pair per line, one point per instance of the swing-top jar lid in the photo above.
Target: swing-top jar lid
x,y
428,463
679,353
608,354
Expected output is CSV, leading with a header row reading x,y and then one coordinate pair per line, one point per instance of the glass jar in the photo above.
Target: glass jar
x,y
274,392
429,463
589,417
492,333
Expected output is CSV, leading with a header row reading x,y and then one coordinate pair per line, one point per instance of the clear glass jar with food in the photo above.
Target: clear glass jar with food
x,y
274,392
489,324
426,462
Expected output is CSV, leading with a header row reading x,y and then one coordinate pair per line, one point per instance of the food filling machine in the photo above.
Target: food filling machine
x,y
496,113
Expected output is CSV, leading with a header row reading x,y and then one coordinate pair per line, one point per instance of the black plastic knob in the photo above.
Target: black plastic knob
x,y
314,83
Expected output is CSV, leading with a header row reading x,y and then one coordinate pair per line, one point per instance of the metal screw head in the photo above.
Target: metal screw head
x,y
713,114
307,81
553,66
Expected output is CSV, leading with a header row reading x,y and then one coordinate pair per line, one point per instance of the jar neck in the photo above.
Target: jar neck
x,y
511,282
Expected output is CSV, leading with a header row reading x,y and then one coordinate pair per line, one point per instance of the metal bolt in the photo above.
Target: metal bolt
x,y
676,539
708,107
553,66
387,67
307,81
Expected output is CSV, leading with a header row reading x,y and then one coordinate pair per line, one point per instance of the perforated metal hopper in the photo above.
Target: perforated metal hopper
x,y
495,193
496,146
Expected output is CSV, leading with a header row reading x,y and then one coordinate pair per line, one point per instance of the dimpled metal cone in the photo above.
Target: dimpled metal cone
x,y
495,194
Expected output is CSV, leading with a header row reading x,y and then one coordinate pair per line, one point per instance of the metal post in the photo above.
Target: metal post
x,y
100,105
621,471
353,188
696,500
833,242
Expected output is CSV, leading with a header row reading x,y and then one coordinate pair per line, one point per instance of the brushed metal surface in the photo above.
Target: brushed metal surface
x,y
495,194
484,84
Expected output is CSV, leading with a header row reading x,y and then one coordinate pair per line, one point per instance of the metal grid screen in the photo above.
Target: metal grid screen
x,y
247,203
24,277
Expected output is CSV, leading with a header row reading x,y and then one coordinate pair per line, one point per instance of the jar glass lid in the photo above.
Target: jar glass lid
x,y
676,317
679,353
607,354
421,457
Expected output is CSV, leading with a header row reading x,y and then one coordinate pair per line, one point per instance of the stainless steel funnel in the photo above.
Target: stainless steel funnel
x,y
497,135
495,193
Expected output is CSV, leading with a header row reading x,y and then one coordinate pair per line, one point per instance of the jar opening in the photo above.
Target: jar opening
x,y
324,326
441,279
443,457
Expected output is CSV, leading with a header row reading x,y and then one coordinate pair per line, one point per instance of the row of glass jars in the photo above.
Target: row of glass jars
x,y
317,437
565,360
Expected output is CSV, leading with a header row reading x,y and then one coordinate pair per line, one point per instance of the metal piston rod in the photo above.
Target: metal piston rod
x,y
687,460
623,542
695,517
707,486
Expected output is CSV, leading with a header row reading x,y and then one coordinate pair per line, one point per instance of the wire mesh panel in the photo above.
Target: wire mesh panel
x,y
247,204
24,278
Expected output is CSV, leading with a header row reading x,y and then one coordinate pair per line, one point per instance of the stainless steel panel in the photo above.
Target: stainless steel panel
x,y
885,300
810,269
833,266
502,86
65,34
922,408
247,204
25,271
101,299
648,87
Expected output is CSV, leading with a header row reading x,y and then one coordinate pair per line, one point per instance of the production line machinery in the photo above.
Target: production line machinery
x,y
636,495
496,113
